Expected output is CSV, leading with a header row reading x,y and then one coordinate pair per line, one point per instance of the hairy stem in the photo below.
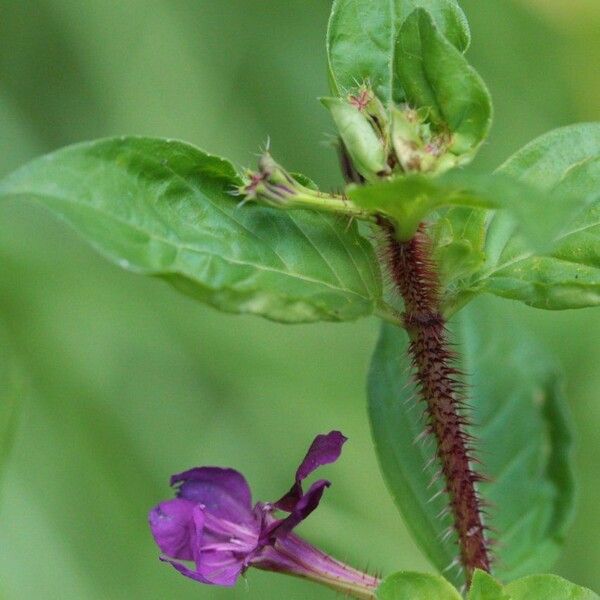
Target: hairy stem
x,y
414,274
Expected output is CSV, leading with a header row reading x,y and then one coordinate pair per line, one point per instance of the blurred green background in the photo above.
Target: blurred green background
x,y
130,382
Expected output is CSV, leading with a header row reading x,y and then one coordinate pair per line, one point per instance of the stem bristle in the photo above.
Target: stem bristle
x,y
440,383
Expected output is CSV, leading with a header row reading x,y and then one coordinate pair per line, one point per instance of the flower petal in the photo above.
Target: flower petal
x,y
325,449
220,572
185,570
213,566
173,528
223,492
303,507
221,568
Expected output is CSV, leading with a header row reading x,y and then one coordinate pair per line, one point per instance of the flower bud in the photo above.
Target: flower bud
x,y
365,143
406,139
370,105
417,148
271,183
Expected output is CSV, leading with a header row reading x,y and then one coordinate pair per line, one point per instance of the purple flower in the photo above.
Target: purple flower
x,y
213,524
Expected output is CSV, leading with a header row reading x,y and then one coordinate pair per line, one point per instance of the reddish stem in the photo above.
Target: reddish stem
x,y
415,277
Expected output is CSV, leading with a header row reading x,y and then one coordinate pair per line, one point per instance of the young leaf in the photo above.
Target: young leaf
x,y
522,434
164,208
565,165
361,41
407,585
435,75
548,587
485,587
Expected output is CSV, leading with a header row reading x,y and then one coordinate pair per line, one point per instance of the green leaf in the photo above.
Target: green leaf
x,y
396,424
548,587
545,161
164,208
407,585
458,238
523,426
523,439
565,165
408,200
534,587
361,41
485,587
436,76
